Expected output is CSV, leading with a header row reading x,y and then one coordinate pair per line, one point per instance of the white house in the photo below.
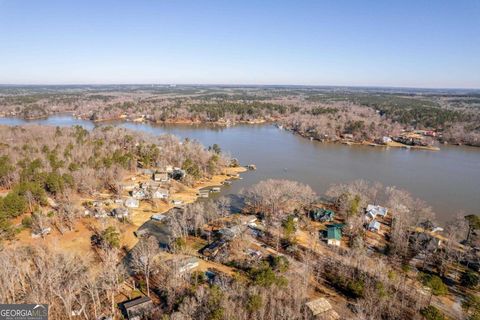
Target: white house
x,y
160,194
132,203
373,211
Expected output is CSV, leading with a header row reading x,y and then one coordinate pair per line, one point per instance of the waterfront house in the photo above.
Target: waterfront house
x,y
374,226
373,211
132,203
137,308
321,309
334,235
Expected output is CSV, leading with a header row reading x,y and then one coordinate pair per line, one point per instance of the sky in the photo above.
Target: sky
x,y
409,43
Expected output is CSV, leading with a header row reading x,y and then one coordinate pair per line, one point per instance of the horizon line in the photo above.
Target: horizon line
x,y
235,85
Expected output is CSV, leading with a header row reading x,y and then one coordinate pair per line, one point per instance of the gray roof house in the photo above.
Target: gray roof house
x,y
137,309
374,226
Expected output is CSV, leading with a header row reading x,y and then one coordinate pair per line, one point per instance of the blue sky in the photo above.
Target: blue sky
x,y
409,43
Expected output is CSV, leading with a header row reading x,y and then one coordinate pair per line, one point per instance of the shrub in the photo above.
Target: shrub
x,y
435,284
469,279
432,313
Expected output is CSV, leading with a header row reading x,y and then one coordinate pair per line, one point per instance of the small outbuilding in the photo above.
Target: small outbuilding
x,y
334,235
321,309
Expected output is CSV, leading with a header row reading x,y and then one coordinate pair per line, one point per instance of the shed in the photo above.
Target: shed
x,y
334,235
322,309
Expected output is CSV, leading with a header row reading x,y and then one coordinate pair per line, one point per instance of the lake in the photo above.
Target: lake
x,y
448,180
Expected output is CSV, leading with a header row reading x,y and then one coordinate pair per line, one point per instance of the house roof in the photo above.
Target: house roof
x,y
376,210
319,306
374,225
334,232
136,302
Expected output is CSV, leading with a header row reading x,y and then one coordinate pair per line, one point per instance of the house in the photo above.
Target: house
x,y
139,193
120,213
158,217
132,203
137,309
334,235
374,226
216,189
187,264
322,215
321,309
118,201
230,233
160,194
386,140
161,231
213,248
373,211
161,176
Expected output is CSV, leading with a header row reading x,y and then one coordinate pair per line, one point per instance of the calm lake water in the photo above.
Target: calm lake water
x,y
448,180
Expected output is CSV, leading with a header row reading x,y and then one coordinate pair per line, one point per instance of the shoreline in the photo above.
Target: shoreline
x,y
226,124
